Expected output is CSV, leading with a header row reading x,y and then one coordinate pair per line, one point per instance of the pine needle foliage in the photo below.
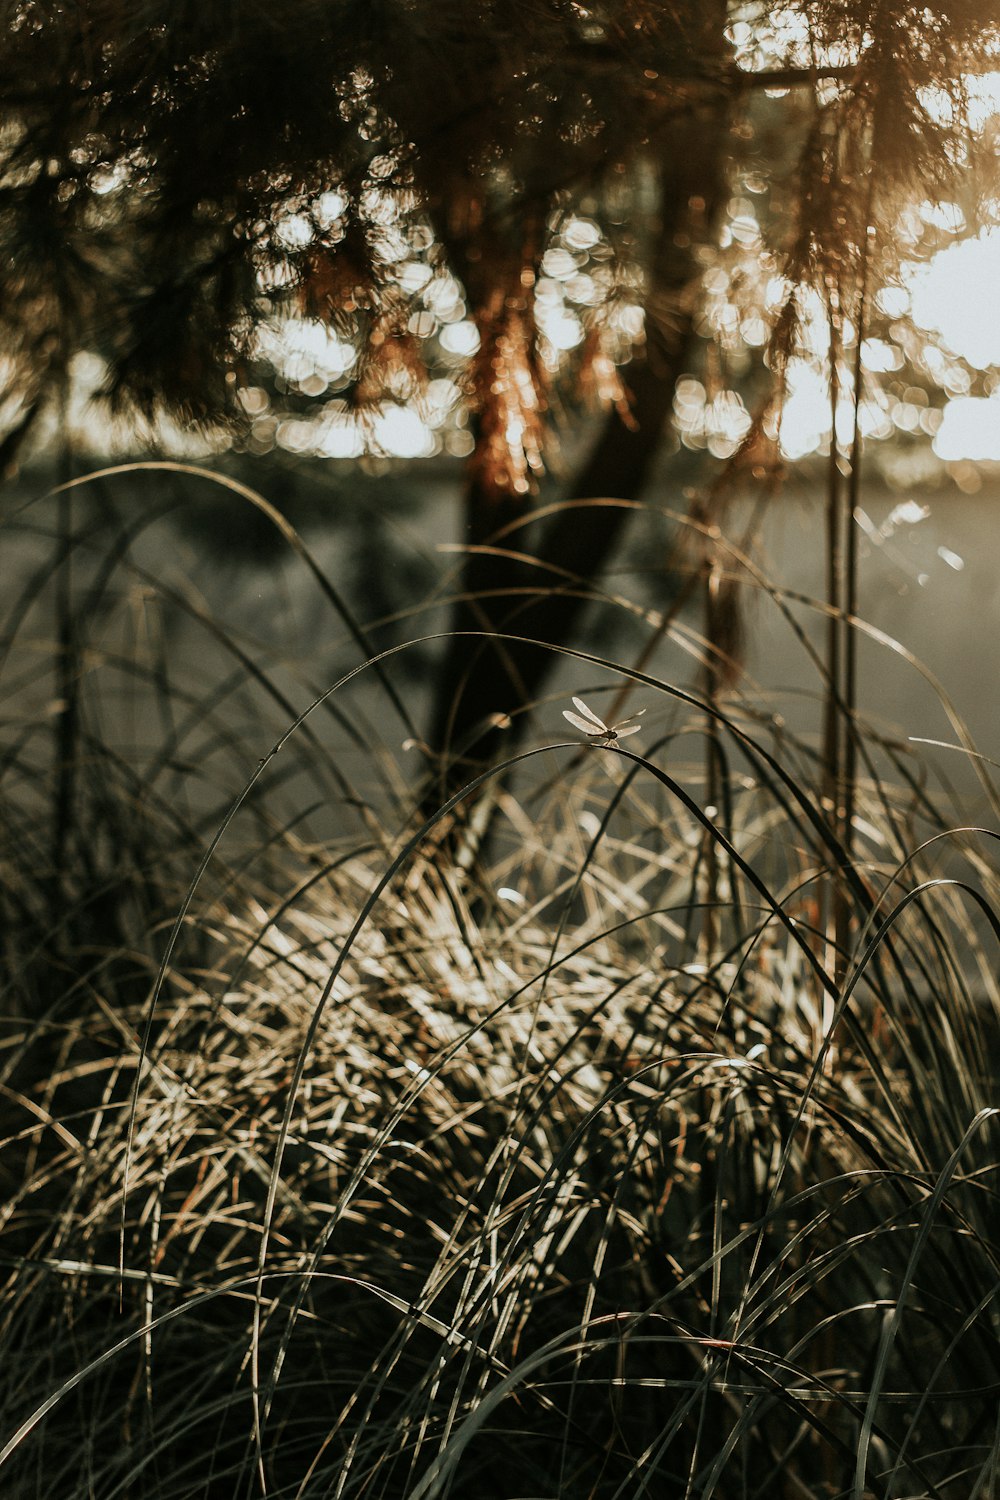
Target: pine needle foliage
x,y
166,171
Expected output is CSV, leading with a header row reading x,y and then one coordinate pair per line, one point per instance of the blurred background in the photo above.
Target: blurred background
x,y
731,269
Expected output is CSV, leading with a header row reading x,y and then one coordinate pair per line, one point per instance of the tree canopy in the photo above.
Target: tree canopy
x,y
174,176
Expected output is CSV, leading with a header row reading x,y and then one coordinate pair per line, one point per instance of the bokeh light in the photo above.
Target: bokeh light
x,y
954,296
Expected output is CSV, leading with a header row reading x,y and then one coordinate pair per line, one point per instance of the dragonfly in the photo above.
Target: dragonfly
x,y
596,730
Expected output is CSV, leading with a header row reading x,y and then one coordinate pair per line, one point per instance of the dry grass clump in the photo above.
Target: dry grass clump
x,y
506,1206
588,1170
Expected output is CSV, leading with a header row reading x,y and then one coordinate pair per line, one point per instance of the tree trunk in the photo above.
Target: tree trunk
x,y
485,686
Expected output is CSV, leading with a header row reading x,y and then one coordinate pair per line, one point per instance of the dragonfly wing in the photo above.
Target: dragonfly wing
x,y
622,731
590,716
582,724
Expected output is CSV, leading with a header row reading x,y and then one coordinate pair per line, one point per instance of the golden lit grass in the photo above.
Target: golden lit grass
x,y
335,1170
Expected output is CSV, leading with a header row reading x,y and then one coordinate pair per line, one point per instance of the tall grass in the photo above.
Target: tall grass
x,y
591,1170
